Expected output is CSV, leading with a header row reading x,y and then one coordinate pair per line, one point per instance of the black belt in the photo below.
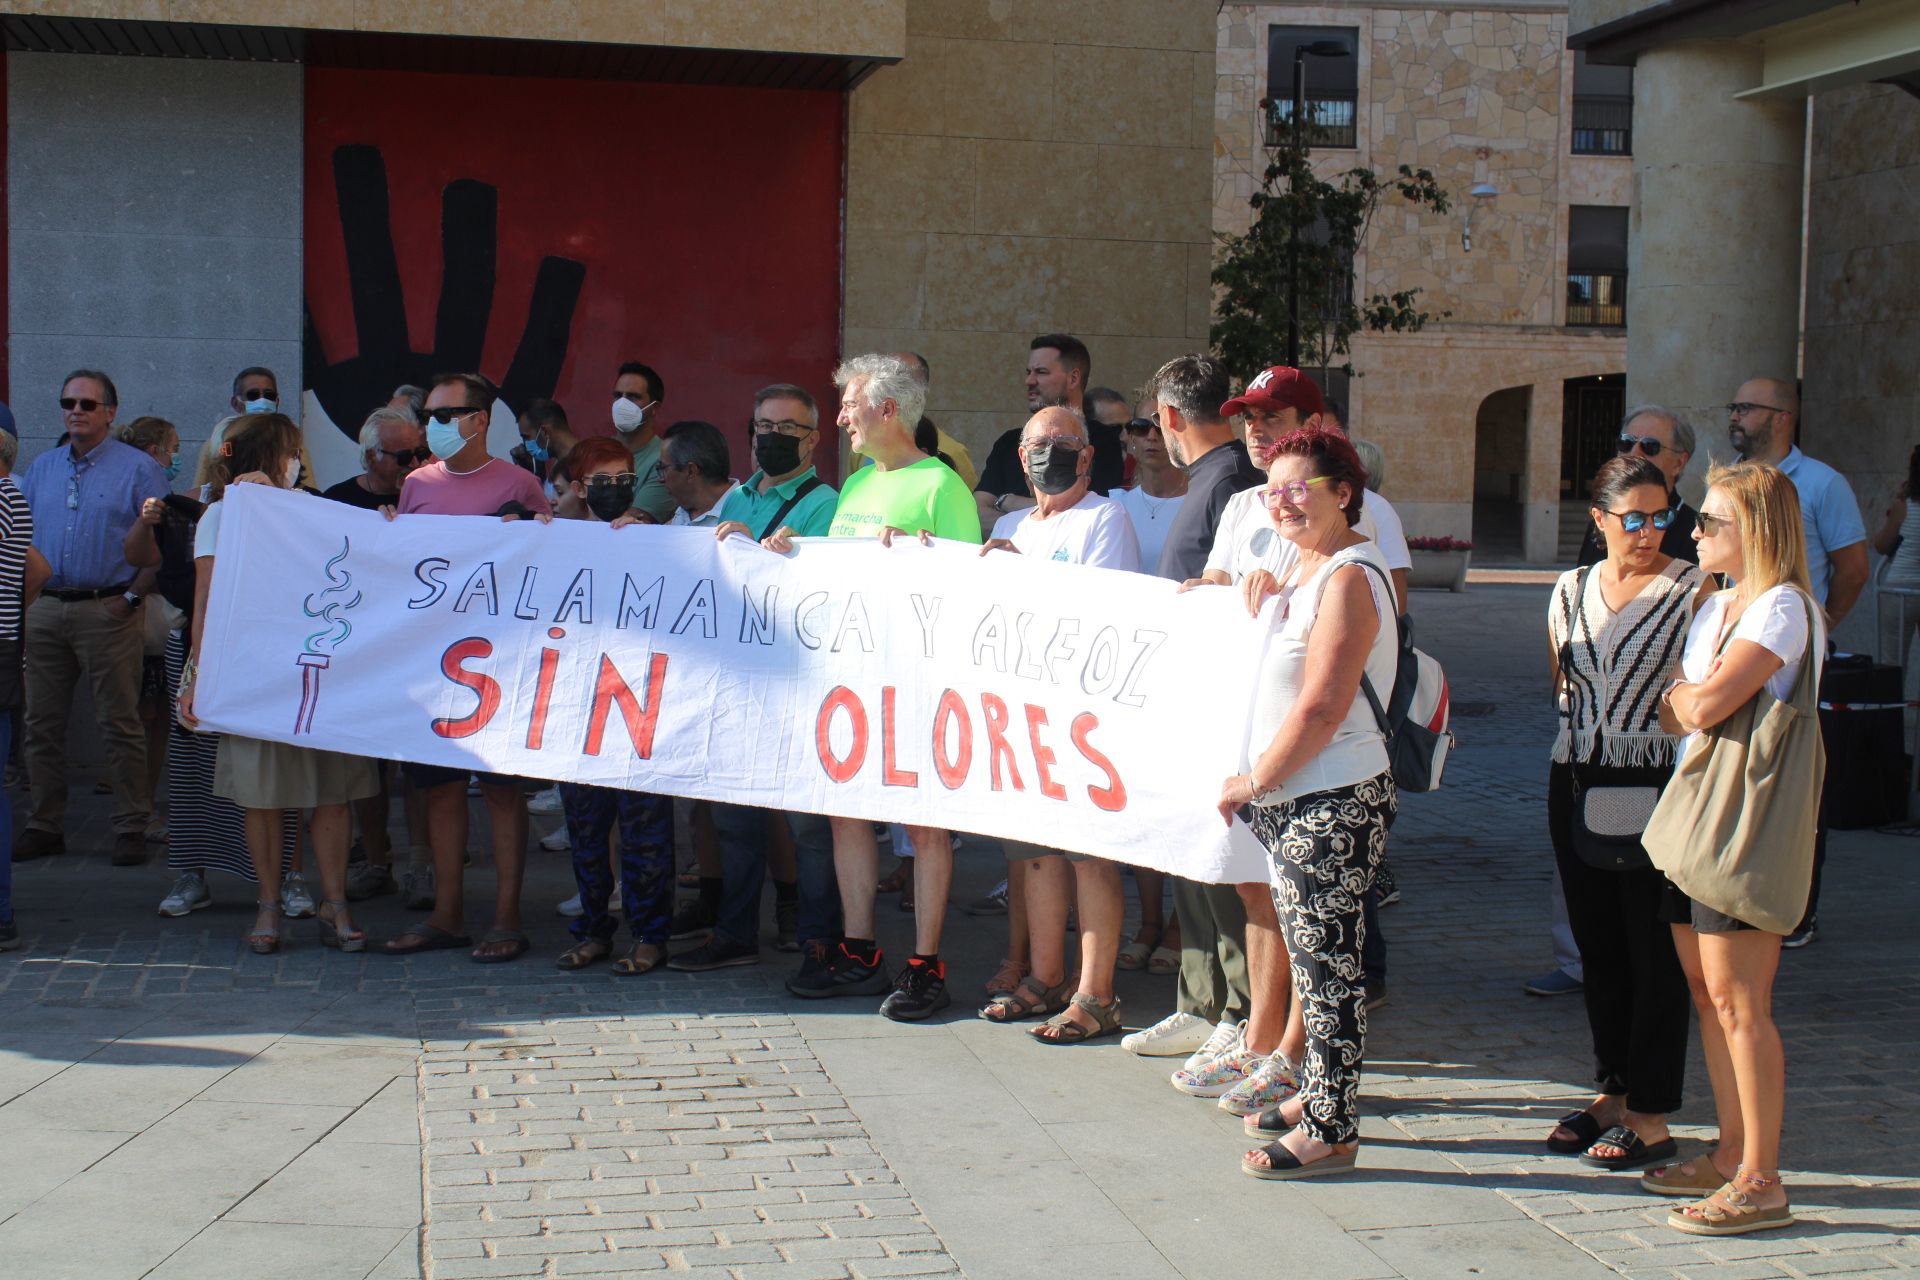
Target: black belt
x,y
72,595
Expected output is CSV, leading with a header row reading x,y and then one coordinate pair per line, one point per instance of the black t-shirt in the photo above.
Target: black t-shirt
x,y
1213,479
1677,541
354,494
174,535
1003,473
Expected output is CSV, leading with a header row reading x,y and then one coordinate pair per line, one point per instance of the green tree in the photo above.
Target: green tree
x,y
1331,220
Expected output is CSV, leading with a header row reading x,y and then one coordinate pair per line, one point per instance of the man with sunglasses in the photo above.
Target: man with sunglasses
x,y
1761,424
255,390
1663,438
85,495
466,480
392,447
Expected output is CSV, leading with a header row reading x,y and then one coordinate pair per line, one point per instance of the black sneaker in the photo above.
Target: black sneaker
x,y
715,953
839,973
694,919
9,935
1800,937
919,992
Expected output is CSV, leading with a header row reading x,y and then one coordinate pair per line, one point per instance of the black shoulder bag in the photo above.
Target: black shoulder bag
x,y
813,482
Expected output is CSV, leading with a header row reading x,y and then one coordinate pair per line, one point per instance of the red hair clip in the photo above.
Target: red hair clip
x,y
226,448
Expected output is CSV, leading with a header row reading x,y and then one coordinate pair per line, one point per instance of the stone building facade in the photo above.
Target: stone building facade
x,y
1470,410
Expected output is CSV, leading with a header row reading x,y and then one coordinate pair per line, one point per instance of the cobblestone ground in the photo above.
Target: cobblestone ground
x,y
236,1115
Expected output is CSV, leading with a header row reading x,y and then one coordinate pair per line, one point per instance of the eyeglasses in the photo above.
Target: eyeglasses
x,y
785,427
69,404
1709,524
1293,491
1139,426
448,413
1072,444
1741,408
605,481
1649,446
1635,521
408,457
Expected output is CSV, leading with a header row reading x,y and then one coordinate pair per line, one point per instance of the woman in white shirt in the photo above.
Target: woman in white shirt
x,y
1318,792
1757,633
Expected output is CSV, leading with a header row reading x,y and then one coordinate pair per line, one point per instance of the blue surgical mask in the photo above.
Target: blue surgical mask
x,y
444,438
173,468
536,448
262,405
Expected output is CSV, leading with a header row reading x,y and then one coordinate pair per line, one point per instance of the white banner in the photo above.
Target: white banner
x,y
1084,709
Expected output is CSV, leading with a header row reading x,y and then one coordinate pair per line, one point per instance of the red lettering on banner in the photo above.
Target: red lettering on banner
x,y
953,773
890,774
841,698
997,722
485,687
1113,796
611,689
1043,756
542,695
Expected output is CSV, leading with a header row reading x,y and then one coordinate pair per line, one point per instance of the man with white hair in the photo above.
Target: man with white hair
x,y
1665,439
392,444
905,491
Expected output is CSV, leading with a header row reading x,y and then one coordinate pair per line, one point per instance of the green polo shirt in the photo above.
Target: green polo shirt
x,y
650,490
808,519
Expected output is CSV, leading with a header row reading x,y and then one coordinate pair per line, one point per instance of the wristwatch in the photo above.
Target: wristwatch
x,y
1000,504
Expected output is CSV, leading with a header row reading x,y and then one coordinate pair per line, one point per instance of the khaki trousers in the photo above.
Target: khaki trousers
x,y
66,641
1213,951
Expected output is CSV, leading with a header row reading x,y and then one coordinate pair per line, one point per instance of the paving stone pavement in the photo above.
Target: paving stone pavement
x,y
237,1115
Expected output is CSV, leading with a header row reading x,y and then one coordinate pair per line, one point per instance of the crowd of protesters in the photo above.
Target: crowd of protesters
x,y
1679,624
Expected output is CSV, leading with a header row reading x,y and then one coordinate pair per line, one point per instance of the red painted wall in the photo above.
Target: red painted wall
x,y
705,222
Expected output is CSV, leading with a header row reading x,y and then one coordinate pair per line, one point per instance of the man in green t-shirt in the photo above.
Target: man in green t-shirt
x,y
904,491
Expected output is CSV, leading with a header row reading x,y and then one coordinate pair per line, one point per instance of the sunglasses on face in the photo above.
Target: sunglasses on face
x,y
1709,524
1139,427
451,412
408,457
260,393
605,481
1635,521
70,403
1649,446
1293,492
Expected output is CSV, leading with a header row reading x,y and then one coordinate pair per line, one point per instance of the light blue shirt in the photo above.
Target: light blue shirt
x,y
82,509
1828,509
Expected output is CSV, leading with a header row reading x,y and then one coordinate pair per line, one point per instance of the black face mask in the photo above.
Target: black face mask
x,y
609,501
1052,469
776,454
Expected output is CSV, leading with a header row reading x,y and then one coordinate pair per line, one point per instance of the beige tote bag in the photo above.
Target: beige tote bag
x,y
1734,827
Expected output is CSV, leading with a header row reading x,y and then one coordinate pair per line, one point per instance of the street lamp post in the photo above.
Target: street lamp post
x,y
1301,52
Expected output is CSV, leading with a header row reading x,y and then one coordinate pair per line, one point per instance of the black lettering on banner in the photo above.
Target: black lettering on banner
x,y
810,603
928,612
757,621
854,622
480,586
1149,642
700,607
431,575
1023,663
1103,663
990,641
639,606
1060,649
523,607
579,599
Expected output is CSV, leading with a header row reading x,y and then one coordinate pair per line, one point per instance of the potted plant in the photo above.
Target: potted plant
x,y
1439,562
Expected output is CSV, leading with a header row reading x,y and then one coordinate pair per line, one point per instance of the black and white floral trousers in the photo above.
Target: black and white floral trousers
x,y
1325,848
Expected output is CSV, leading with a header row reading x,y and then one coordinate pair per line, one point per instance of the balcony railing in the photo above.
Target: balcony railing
x,y
1602,126
1597,300
1330,122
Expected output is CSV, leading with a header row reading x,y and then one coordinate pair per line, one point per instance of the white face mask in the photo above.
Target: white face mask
x,y
293,472
628,416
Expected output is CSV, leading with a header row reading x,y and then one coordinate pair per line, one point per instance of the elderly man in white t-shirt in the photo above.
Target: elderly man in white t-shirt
x,y
1073,525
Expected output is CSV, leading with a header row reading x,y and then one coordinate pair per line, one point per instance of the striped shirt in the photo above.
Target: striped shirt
x,y
1614,665
16,535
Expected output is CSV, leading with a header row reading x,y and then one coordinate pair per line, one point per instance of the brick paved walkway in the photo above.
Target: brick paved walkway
x,y
236,1115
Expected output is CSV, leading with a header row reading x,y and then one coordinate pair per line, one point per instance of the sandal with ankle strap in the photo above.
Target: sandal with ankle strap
x,y
1062,1029
1006,979
1730,1211
1031,999
264,942
331,936
1696,1177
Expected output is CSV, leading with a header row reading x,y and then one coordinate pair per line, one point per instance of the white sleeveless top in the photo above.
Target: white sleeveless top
x,y
1357,751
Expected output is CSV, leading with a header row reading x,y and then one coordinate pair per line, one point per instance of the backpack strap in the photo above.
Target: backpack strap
x,y
1366,685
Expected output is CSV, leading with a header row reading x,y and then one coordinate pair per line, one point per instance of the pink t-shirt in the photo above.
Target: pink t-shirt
x,y
435,491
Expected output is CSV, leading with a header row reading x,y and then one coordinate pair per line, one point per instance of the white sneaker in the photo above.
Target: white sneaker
x,y
571,907
189,893
296,900
545,803
1226,1038
557,840
1173,1035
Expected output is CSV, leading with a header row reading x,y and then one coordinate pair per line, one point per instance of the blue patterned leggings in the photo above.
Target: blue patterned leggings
x,y
646,859
1325,848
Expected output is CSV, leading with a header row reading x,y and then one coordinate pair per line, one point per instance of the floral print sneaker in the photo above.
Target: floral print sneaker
x,y
1272,1084
1220,1074
1227,1035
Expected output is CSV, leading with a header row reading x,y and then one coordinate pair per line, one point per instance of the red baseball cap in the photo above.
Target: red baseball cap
x,y
1280,387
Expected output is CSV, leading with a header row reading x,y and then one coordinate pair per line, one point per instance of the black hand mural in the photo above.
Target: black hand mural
x,y
469,237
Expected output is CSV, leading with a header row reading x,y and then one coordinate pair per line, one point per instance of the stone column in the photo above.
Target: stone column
x,y
1713,260
1540,497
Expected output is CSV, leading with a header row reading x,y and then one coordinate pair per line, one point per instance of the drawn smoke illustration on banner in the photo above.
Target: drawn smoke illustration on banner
x,y
328,606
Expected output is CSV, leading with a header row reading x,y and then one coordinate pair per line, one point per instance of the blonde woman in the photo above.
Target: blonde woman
x,y
261,777
1756,635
